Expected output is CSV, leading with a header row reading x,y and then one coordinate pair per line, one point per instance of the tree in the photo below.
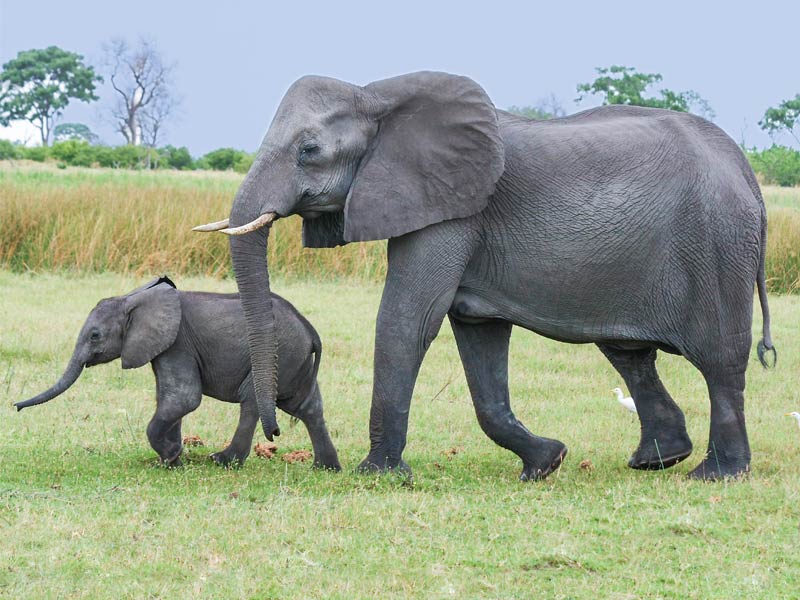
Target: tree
x,y
785,117
73,131
143,83
37,86
545,108
623,85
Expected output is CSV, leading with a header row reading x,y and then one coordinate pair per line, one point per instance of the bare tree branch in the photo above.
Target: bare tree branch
x,y
143,83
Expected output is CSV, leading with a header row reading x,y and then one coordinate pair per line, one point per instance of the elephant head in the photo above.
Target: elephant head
x,y
137,327
357,163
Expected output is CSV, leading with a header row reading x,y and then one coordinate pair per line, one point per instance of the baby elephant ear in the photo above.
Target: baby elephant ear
x,y
153,319
436,156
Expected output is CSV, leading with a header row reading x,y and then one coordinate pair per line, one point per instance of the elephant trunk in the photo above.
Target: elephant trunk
x,y
70,376
249,252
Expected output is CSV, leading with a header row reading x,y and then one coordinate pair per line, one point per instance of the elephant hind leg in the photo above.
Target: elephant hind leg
x,y
484,353
664,441
728,453
723,362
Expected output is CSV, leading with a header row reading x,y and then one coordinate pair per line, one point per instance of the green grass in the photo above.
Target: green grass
x,y
86,513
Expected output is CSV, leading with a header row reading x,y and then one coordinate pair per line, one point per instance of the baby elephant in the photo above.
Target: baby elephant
x,y
196,343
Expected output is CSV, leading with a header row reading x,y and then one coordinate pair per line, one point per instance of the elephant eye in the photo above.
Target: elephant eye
x,y
308,151
95,335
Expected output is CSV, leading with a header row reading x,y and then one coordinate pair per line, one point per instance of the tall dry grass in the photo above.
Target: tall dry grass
x,y
783,250
94,220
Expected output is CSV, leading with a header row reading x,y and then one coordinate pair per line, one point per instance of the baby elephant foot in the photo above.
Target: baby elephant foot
x,y
172,463
171,458
660,452
230,459
548,458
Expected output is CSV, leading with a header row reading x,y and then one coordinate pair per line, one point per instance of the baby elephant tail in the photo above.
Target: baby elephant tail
x,y
310,384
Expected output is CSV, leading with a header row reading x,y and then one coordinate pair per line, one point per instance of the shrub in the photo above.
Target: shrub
x,y
223,159
37,153
77,153
176,158
244,162
128,157
8,150
778,165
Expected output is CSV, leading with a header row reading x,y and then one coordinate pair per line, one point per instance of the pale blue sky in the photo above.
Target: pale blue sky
x,y
235,59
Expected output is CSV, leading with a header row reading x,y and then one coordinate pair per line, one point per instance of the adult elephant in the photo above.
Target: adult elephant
x,y
635,229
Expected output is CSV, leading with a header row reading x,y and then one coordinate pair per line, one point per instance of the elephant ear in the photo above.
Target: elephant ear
x,y
437,156
153,319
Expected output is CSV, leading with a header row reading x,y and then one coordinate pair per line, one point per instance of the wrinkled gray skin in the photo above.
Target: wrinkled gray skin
x,y
631,228
195,344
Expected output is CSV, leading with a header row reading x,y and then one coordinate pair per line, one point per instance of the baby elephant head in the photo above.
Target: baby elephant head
x,y
136,327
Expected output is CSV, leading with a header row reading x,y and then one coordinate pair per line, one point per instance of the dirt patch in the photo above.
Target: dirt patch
x,y
265,449
586,465
451,452
193,440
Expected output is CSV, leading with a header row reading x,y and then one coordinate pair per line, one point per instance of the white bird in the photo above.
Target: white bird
x,y
626,402
796,416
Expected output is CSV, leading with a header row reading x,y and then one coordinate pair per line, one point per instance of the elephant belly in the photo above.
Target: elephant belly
x,y
558,322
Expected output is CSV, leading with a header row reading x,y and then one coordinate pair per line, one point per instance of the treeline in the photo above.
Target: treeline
x,y
79,153
777,165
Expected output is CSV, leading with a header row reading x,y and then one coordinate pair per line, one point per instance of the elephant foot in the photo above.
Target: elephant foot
x,y
548,460
399,467
228,458
712,469
655,454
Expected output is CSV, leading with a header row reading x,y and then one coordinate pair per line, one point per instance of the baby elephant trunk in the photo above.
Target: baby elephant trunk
x,y
71,374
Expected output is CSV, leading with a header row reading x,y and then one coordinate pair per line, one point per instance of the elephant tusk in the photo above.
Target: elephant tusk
x,y
215,226
253,225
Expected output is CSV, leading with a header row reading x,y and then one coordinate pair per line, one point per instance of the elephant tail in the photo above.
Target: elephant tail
x,y
765,343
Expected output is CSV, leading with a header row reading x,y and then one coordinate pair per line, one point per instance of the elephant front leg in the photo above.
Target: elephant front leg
x,y
164,434
396,368
425,268
178,392
484,353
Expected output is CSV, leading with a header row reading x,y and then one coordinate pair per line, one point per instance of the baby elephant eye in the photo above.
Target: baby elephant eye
x,y
95,335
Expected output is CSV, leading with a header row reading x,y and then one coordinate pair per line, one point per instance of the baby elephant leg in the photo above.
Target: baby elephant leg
x,y
239,449
309,411
178,393
164,433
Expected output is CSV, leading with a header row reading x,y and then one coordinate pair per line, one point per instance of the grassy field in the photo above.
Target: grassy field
x,y
86,513
139,222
